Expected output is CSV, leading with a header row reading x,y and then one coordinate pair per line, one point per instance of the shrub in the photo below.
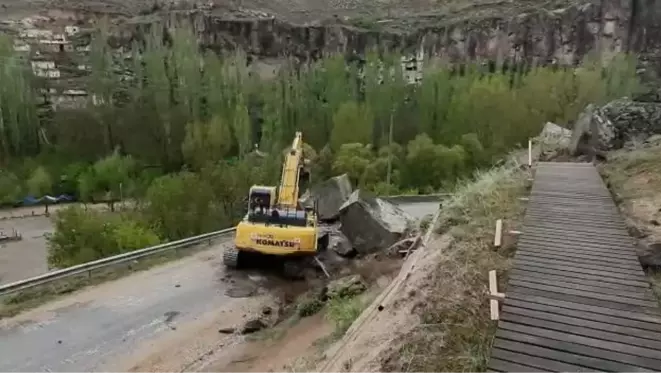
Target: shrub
x,y
83,235
343,311
181,205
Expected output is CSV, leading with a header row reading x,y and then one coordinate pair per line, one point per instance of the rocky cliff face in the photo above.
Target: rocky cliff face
x,y
510,34
562,36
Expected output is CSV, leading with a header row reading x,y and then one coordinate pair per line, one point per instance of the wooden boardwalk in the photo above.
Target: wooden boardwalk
x,y
577,298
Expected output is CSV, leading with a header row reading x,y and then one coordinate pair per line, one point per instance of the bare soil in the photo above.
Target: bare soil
x,y
27,257
634,177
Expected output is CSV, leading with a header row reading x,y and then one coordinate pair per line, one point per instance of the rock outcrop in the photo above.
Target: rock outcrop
x,y
499,34
613,125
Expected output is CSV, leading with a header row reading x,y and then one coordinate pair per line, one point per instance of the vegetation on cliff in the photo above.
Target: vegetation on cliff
x,y
173,128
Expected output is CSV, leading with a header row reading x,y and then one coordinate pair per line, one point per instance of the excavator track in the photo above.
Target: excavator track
x,y
231,257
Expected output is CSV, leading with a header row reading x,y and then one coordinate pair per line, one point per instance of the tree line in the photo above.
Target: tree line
x,y
174,128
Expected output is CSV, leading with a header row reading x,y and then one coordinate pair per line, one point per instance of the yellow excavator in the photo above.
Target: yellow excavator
x,y
275,223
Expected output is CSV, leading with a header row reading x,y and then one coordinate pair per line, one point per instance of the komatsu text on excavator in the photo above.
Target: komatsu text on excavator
x,y
275,223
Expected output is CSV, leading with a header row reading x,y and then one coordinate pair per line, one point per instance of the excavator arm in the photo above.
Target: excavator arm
x,y
291,169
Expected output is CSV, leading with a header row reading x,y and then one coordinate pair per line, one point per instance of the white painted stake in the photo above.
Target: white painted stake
x,y
529,153
498,239
494,295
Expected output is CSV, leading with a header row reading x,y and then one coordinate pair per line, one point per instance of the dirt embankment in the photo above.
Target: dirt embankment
x,y
634,177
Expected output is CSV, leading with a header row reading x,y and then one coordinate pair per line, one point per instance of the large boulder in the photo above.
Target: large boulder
x,y
329,195
611,126
554,136
371,223
650,255
339,243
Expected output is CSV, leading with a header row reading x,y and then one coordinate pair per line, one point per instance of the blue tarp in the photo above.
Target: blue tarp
x,y
30,200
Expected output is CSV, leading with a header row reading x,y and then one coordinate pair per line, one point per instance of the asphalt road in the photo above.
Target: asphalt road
x,y
97,328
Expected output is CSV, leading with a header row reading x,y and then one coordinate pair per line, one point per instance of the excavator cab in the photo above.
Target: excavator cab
x,y
260,199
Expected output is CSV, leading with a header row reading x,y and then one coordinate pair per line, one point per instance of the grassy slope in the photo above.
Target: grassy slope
x,y
455,329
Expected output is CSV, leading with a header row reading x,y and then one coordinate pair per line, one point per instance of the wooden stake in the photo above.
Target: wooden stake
x,y
529,153
498,239
494,295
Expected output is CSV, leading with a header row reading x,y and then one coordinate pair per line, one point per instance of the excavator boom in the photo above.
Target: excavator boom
x,y
289,188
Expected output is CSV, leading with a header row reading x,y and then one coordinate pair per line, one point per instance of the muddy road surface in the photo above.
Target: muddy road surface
x,y
162,319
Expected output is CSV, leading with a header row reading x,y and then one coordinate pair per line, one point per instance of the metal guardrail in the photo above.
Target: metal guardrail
x,y
133,255
105,262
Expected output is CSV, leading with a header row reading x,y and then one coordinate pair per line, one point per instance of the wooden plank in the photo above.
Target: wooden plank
x,y
561,345
617,252
573,268
599,290
596,234
532,319
654,319
577,240
524,274
582,254
506,366
581,322
567,357
531,267
584,300
535,362
498,237
606,269
579,339
552,287
624,263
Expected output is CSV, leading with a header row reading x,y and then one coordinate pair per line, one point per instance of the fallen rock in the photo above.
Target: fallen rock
x,y
252,326
371,223
349,286
554,136
339,243
329,195
650,256
226,330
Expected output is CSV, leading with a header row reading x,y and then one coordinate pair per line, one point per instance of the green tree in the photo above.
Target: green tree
x,y
352,123
208,142
181,205
10,188
421,163
87,186
353,159
39,184
112,174
242,128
